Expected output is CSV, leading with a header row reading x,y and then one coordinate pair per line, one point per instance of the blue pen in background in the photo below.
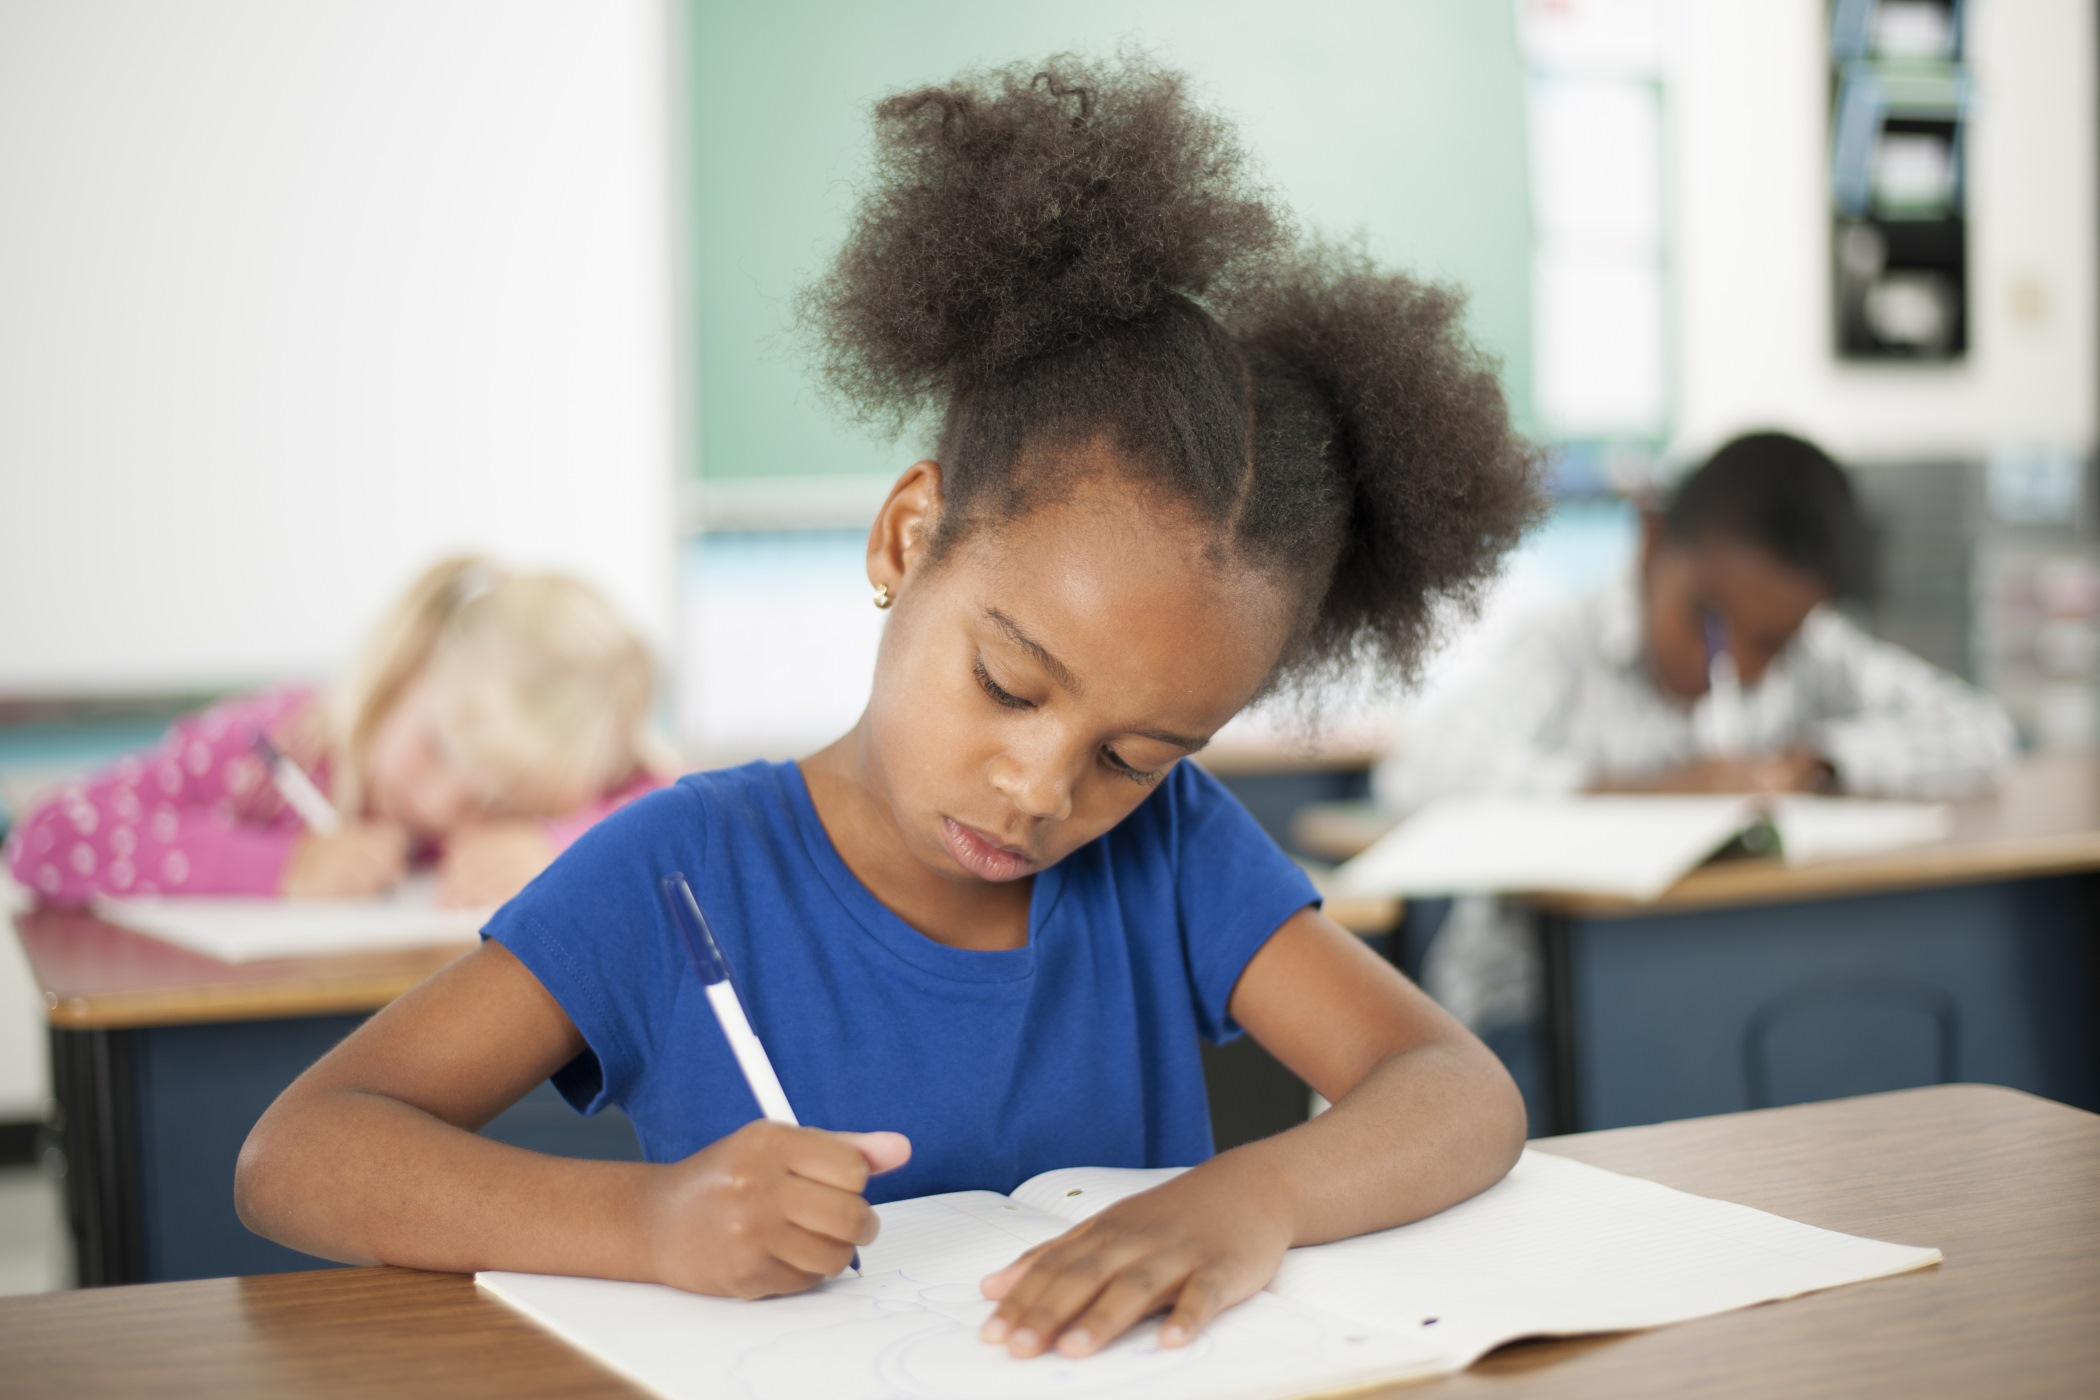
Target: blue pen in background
x,y
713,971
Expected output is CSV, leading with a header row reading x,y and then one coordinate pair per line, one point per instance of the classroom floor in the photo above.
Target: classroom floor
x,y
34,1257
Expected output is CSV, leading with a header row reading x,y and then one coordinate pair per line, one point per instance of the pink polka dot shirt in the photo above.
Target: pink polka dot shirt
x,y
195,814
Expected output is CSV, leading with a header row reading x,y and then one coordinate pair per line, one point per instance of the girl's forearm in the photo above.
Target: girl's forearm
x,y
1425,1129
362,1178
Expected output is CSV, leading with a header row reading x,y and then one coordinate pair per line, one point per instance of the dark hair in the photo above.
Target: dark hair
x,y
1075,254
1781,495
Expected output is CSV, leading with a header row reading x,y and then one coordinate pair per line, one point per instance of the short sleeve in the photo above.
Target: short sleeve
x,y
1233,886
590,929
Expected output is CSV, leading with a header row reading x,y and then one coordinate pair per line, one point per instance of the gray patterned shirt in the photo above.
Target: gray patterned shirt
x,y
1565,702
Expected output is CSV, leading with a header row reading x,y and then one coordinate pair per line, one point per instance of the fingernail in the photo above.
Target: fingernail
x,y
1173,1335
1022,1340
1077,1342
995,1330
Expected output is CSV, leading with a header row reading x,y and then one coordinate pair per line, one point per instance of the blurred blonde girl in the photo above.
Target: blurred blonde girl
x,y
492,718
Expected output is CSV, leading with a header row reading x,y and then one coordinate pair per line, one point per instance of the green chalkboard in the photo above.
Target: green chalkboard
x,y
1399,119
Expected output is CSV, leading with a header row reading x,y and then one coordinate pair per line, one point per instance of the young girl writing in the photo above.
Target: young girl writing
x,y
1180,465
493,717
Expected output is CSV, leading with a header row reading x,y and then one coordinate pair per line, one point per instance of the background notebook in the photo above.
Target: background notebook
x,y
240,929
1634,845
1556,1248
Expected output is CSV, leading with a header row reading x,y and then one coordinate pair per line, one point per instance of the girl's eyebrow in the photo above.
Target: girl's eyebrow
x,y
1062,674
1059,672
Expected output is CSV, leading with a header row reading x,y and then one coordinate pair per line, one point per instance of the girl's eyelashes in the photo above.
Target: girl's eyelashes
x,y
1115,764
999,693
1110,759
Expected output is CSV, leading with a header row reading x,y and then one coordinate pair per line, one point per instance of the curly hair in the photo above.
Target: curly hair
x,y
1051,257
1782,495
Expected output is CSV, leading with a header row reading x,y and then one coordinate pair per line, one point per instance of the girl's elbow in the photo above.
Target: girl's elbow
x,y
1503,1123
36,860
262,1177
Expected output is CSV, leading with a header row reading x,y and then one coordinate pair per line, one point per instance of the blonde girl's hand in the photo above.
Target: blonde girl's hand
x,y
364,858
769,1209
488,862
1190,1248
1792,771
302,735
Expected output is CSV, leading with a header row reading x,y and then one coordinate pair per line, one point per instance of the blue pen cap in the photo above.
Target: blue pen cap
x,y
691,924
1715,631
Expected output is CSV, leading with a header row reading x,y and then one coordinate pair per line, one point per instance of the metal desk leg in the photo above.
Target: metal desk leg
x,y
1556,933
97,1134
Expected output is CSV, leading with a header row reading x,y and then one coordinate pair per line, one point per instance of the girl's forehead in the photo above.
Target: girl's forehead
x,y
1130,596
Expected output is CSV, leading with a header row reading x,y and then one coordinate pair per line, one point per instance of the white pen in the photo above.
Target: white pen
x,y
1729,724
298,790
713,970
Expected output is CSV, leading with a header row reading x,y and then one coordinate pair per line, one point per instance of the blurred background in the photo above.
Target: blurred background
x,y
295,297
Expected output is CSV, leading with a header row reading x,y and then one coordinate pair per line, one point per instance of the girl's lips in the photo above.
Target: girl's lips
x,y
981,855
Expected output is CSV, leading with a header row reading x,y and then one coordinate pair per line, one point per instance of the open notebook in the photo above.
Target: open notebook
x,y
1557,1248
238,929
1617,844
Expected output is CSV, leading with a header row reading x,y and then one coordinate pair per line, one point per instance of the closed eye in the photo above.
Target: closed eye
x,y
1110,759
1115,764
999,693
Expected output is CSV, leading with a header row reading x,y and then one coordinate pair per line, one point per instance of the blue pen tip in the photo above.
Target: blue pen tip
x,y
700,945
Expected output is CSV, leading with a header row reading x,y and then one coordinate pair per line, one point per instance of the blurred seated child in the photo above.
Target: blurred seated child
x,y
1611,691
1615,691
492,718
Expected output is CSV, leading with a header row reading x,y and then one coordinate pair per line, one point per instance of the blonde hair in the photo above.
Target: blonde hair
x,y
541,693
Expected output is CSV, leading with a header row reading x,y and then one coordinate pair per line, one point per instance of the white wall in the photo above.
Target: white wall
x,y
1749,192
297,295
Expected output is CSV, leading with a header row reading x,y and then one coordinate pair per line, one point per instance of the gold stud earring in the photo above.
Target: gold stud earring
x,y
882,595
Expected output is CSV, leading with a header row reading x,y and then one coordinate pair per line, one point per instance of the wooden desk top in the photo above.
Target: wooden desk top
x,y
2044,819
97,976
94,975
2008,1186
1235,757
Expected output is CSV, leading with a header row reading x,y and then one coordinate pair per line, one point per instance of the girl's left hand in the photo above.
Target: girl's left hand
x,y
488,862
1192,1248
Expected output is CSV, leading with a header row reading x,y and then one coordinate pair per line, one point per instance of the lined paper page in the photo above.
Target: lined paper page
x,y
908,1330
1074,1193
1561,1248
963,1235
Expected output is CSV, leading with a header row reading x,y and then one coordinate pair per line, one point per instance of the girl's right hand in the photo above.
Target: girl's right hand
x,y
768,1209
363,858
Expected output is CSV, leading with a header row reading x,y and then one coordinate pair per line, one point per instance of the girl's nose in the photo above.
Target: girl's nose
x,y
1039,786
446,803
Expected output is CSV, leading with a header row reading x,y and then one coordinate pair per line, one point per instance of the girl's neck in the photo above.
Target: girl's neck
x,y
846,788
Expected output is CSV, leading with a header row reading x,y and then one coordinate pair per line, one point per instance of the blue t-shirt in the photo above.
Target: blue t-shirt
x,y
1077,1049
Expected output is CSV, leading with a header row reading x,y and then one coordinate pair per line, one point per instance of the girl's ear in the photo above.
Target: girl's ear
x,y
903,528
1652,540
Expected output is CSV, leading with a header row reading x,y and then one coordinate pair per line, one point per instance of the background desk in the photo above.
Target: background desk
x,y
2007,1186
1751,983
162,1059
